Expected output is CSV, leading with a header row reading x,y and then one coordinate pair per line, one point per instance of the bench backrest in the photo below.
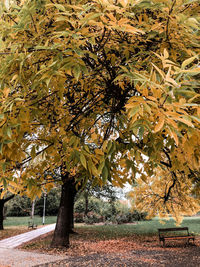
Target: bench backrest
x,y
168,231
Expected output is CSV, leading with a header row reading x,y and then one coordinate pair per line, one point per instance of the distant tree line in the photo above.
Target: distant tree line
x,y
92,205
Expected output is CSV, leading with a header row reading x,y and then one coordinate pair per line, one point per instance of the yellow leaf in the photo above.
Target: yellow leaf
x,y
187,62
166,54
174,136
2,194
6,91
160,124
111,17
187,122
159,71
132,29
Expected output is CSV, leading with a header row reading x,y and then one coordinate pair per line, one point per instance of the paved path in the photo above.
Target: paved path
x,y
15,241
10,257
16,258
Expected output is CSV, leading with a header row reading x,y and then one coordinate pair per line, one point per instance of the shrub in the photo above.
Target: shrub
x,y
93,217
18,206
94,205
78,217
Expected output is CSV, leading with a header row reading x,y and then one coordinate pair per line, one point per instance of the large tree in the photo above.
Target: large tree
x,y
89,88
3,201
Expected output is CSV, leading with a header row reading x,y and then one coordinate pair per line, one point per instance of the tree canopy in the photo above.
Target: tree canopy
x,y
107,90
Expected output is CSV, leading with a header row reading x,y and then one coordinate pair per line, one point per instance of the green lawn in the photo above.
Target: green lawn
x,y
147,228
19,221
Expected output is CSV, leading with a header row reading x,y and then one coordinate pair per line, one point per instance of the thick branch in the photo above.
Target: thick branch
x,y
8,198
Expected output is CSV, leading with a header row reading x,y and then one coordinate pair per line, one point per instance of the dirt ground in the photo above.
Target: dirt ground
x,y
143,258
133,251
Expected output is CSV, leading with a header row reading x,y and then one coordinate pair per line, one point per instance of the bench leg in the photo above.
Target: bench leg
x,y
191,239
163,243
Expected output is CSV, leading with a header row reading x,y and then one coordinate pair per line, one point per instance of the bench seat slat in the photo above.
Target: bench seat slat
x,y
177,237
173,229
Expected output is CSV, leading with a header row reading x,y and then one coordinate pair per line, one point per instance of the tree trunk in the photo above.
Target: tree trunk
x,y
1,213
32,210
2,202
72,213
64,222
86,203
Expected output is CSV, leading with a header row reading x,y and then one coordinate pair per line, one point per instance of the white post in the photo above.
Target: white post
x,y
43,218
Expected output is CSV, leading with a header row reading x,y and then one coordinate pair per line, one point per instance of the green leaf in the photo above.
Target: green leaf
x,y
134,111
1,116
8,132
109,146
7,141
1,148
86,149
105,174
83,161
77,72
33,152
101,166
4,167
72,140
141,132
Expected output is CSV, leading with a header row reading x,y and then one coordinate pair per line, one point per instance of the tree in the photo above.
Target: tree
x,y
3,201
52,203
106,192
90,88
18,206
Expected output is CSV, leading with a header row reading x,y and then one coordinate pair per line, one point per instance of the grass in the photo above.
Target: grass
x,y
17,225
23,221
145,228
140,228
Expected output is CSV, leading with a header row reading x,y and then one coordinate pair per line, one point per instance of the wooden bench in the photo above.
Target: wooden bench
x,y
175,234
32,225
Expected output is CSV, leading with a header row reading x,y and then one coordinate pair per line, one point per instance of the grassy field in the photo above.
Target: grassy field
x,y
23,221
109,231
146,228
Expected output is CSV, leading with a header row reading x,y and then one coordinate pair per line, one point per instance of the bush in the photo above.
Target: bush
x,y
93,217
130,216
94,205
78,217
18,206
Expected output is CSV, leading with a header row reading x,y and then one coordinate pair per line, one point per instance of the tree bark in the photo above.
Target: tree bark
x,y
64,222
86,203
32,210
1,213
2,202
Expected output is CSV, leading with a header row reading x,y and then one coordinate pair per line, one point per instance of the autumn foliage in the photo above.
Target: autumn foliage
x,y
105,89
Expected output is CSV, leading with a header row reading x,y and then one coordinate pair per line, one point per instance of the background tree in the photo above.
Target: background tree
x,y
89,88
106,193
